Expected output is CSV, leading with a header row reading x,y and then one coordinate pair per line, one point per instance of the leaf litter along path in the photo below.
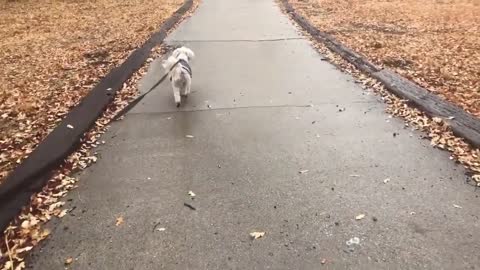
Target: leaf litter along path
x,y
434,43
351,29
53,52
27,231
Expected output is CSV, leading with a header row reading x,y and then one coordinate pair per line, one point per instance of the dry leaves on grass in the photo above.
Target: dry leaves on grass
x,y
432,42
53,52
26,230
437,130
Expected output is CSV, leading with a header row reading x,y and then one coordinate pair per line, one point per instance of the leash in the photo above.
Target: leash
x,y
139,98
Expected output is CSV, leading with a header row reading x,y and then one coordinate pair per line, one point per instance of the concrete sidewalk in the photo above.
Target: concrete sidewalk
x,y
255,79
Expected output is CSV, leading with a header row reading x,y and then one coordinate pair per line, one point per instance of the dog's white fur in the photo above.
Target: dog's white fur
x,y
179,77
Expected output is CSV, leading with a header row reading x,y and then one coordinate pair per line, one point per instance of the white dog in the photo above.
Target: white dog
x,y
181,74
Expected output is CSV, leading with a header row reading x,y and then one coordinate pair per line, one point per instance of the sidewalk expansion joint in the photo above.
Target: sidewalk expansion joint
x,y
233,40
243,108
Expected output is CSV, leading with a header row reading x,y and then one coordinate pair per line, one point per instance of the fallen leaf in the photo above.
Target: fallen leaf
x,y
70,126
191,194
44,234
62,213
161,229
55,205
27,248
68,261
303,171
437,120
119,221
189,136
20,266
353,241
256,235
8,265
25,224
457,206
359,217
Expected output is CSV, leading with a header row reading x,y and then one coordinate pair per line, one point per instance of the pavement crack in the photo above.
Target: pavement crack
x,y
240,108
223,109
233,40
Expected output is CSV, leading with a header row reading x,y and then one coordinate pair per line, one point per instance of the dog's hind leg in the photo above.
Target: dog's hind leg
x,y
188,86
176,96
184,91
184,85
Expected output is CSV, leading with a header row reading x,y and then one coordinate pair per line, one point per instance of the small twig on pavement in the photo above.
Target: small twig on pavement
x,y
190,206
155,226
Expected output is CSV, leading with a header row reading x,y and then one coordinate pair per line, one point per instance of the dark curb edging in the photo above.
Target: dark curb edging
x,y
33,173
462,123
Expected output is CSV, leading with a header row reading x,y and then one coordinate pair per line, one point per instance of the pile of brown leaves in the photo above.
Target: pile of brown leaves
x,y
53,52
432,42
27,230
436,129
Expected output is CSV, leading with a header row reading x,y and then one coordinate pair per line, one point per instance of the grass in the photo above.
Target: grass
x,y
432,42
53,52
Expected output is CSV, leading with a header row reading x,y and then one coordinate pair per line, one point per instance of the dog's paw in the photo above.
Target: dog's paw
x,y
178,104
